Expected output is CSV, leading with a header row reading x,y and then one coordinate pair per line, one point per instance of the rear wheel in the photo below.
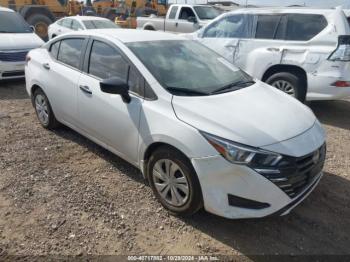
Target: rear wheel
x,y
174,181
288,83
43,110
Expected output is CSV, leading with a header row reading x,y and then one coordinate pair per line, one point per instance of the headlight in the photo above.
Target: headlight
x,y
242,154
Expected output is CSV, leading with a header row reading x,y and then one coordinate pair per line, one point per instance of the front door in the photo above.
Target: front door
x,y
107,117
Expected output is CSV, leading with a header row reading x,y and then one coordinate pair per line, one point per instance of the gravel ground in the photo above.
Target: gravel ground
x,y
62,194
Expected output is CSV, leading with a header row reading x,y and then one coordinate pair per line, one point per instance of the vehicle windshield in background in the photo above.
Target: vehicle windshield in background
x,y
189,68
11,22
206,12
98,24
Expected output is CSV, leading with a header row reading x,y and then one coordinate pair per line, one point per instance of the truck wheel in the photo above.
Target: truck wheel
x,y
41,24
288,83
149,28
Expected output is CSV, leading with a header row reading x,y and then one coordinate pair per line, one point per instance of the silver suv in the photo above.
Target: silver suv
x,y
303,52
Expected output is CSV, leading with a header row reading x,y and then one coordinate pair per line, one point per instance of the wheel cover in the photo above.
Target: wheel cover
x,y
170,182
285,86
42,109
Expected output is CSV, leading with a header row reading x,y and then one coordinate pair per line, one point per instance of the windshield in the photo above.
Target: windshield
x,y
99,24
11,22
206,12
186,67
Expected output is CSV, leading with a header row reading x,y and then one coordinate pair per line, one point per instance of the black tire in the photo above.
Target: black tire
x,y
295,81
41,23
52,122
149,28
194,200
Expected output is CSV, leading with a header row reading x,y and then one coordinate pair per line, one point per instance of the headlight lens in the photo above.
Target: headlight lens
x,y
242,154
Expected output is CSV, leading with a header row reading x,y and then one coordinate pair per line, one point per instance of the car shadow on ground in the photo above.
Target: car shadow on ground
x,y
12,89
315,227
333,113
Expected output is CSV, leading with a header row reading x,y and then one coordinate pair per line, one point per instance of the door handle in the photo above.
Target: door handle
x,y
85,89
273,49
46,66
176,24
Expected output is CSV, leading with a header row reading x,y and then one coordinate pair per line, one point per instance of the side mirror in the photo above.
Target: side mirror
x,y
117,86
32,28
192,19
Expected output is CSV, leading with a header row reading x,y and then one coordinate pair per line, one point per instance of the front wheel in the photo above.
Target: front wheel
x,y
174,182
288,83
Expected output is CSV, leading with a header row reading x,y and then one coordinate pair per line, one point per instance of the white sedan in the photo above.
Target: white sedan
x,y
78,23
203,132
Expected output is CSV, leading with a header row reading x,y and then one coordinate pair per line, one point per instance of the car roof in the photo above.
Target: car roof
x,y
6,9
279,10
132,35
85,18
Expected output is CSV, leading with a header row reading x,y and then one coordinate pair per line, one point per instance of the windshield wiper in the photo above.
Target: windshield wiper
x,y
235,86
186,91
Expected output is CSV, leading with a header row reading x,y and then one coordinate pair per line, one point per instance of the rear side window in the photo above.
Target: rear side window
x,y
70,52
106,62
54,49
303,27
173,11
67,23
76,25
234,26
267,26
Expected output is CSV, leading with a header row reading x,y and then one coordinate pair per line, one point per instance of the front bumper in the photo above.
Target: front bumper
x,y
220,179
11,70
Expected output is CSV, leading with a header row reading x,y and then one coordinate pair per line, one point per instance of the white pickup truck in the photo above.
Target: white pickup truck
x,y
180,19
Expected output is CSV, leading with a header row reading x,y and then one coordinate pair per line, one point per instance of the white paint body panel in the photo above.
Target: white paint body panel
x,y
258,116
256,56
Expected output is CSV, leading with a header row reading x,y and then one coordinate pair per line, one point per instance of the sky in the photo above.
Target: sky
x,y
312,3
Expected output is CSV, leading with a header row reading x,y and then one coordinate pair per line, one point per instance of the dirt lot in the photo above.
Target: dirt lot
x,y
62,194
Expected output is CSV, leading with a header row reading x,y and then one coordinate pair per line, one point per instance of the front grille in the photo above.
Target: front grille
x,y
13,56
293,175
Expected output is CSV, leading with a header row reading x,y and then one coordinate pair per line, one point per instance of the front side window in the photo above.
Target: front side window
x,y
185,13
233,26
267,26
106,62
303,27
184,67
70,52
99,24
206,12
173,11
11,22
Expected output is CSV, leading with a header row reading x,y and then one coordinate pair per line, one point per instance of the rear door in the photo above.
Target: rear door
x,y
223,35
171,19
106,117
62,74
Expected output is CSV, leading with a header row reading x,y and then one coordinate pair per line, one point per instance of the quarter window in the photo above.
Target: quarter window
x,y
54,49
234,26
303,27
70,52
106,62
173,11
267,26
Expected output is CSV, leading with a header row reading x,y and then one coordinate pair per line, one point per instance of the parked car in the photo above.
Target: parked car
x,y
180,18
202,131
304,52
16,39
77,23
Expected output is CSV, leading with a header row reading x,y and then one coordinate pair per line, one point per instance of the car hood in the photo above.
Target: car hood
x,y
19,41
258,115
